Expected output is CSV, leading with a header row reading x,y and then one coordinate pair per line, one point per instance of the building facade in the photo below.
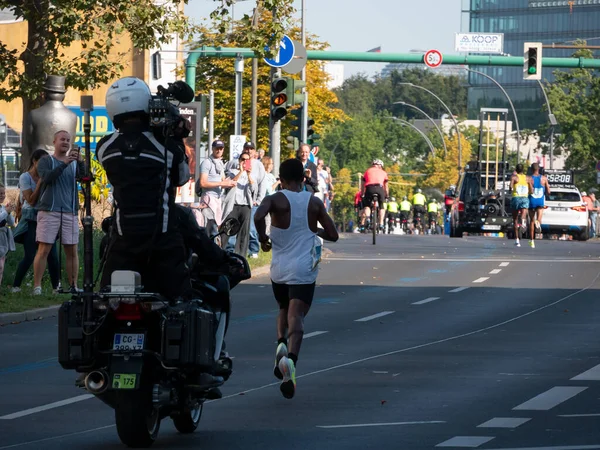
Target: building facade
x,y
557,21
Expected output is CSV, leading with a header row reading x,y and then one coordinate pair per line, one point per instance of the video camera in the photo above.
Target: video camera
x,y
164,115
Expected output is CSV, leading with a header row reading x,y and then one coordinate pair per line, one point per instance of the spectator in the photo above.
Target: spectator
x,y
261,154
593,208
258,174
57,209
310,170
7,244
271,182
30,189
210,185
238,202
323,181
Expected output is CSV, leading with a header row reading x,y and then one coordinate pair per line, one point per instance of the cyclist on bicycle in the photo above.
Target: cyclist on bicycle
x,y
392,214
375,181
432,211
405,207
358,207
519,202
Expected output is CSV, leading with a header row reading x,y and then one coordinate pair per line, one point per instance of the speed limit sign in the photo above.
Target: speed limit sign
x,y
433,59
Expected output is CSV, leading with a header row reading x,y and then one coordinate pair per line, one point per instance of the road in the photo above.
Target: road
x,y
420,342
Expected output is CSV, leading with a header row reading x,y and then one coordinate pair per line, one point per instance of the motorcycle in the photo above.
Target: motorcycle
x,y
149,357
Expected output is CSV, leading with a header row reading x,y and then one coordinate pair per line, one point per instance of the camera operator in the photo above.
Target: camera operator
x,y
311,182
144,165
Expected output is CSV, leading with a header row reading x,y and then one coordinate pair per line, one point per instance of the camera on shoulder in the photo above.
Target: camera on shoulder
x,y
164,116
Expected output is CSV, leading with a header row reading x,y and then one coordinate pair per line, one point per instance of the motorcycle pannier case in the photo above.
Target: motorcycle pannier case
x,y
71,349
188,336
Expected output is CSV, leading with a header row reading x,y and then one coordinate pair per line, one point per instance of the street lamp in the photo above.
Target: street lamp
x,y
553,123
451,116
430,119
406,123
511,105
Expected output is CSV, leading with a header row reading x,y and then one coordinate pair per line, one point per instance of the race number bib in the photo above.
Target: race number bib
x,y
522,190
538,192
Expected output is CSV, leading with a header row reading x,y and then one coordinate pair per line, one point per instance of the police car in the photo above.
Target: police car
x,y
565,211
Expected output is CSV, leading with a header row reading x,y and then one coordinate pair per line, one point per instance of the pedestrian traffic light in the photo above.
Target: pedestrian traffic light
x,y
532,61
279,98
314,139
292,97
293,143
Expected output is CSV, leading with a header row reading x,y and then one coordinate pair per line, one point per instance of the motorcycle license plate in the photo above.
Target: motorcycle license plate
x,y
124,380
128,342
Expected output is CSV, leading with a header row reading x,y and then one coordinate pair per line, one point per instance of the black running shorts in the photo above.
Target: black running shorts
x,y
286,292
374,189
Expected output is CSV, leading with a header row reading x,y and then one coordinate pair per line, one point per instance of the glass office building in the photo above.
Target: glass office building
x,y
551,21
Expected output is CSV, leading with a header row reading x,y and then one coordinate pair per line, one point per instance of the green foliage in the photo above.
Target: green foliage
x,y
217,74
96,27
575,101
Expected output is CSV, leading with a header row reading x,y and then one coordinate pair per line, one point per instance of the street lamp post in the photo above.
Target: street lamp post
x,y
553,123
451,116
427,140
430,119
511,105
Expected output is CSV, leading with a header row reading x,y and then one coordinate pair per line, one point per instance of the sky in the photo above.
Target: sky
x,y
398,26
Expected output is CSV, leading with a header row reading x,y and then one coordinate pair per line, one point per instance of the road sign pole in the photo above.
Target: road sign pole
x,y
304,90
275,132
239,71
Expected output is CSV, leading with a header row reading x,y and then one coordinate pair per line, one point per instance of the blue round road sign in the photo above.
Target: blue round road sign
x,y
285,54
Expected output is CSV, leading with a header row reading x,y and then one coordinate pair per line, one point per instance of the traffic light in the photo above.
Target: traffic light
x,y
296,130
292,97
279,98
532,61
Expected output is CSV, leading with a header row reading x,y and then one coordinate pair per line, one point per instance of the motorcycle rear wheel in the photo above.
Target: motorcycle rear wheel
x,y
138,422
187,421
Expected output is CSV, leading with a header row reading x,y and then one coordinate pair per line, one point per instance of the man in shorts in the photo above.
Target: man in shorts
x,y
295,215
57,208
538,188
519,203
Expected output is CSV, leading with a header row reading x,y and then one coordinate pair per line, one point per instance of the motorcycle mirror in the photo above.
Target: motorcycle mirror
x,y
230,227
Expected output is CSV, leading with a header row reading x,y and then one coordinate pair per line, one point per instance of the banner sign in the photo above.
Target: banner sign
x,y
99,121
479,42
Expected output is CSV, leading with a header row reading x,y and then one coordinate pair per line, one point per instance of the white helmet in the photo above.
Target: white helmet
x,y
127,95
377,162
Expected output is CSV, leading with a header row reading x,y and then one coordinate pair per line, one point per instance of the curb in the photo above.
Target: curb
x,y
28,316
52,311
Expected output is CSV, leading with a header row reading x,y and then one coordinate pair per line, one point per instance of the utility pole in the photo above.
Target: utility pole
x,y
211,117
275,128
254,94
239,71
304,90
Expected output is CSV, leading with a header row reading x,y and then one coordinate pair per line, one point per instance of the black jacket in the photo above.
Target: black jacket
x,y
313,184
144,175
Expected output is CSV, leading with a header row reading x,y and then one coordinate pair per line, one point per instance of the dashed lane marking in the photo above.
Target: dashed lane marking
x,y
551,398
481,280
504,422
427,300
374,316
495,271
589,375
384,424
314,333
460,289
38,409
504,264
466,441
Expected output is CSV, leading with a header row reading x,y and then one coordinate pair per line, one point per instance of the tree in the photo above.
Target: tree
x,y
442,171
575,100
217,74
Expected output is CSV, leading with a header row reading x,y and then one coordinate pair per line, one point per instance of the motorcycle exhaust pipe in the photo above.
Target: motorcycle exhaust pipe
x,y
96,382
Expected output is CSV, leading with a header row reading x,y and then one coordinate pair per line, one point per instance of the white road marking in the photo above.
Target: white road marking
x,y
466,441
374,316
549,399
504,422
471,260
561,447
579,415
481,280
427,300
385,424
380,371
369,358
504,264
314,333
589,375
460,289
495,271
37,409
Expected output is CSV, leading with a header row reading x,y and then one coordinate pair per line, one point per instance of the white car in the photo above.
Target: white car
x,y
565,213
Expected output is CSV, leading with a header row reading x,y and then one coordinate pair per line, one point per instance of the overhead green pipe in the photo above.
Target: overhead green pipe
x,y
414,58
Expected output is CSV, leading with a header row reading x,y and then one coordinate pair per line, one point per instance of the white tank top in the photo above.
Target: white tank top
x,y
296,250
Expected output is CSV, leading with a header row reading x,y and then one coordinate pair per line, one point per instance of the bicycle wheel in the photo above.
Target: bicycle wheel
x,y
375,219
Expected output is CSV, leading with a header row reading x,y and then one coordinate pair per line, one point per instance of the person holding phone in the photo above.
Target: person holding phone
x,y
239,201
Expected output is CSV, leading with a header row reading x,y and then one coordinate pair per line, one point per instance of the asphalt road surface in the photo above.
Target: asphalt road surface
x,y
419,342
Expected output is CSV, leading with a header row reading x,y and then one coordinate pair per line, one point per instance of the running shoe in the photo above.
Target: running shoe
x,y
532,244
37,290
280,353
517,244
538,227
15,289
288,369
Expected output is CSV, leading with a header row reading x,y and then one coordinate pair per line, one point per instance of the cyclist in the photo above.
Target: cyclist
x,y
392,214
539,187
405,207
519,202
432,212
375,181
419,201
358,207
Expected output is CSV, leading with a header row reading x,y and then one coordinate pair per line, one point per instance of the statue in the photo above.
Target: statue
x,y
51,117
